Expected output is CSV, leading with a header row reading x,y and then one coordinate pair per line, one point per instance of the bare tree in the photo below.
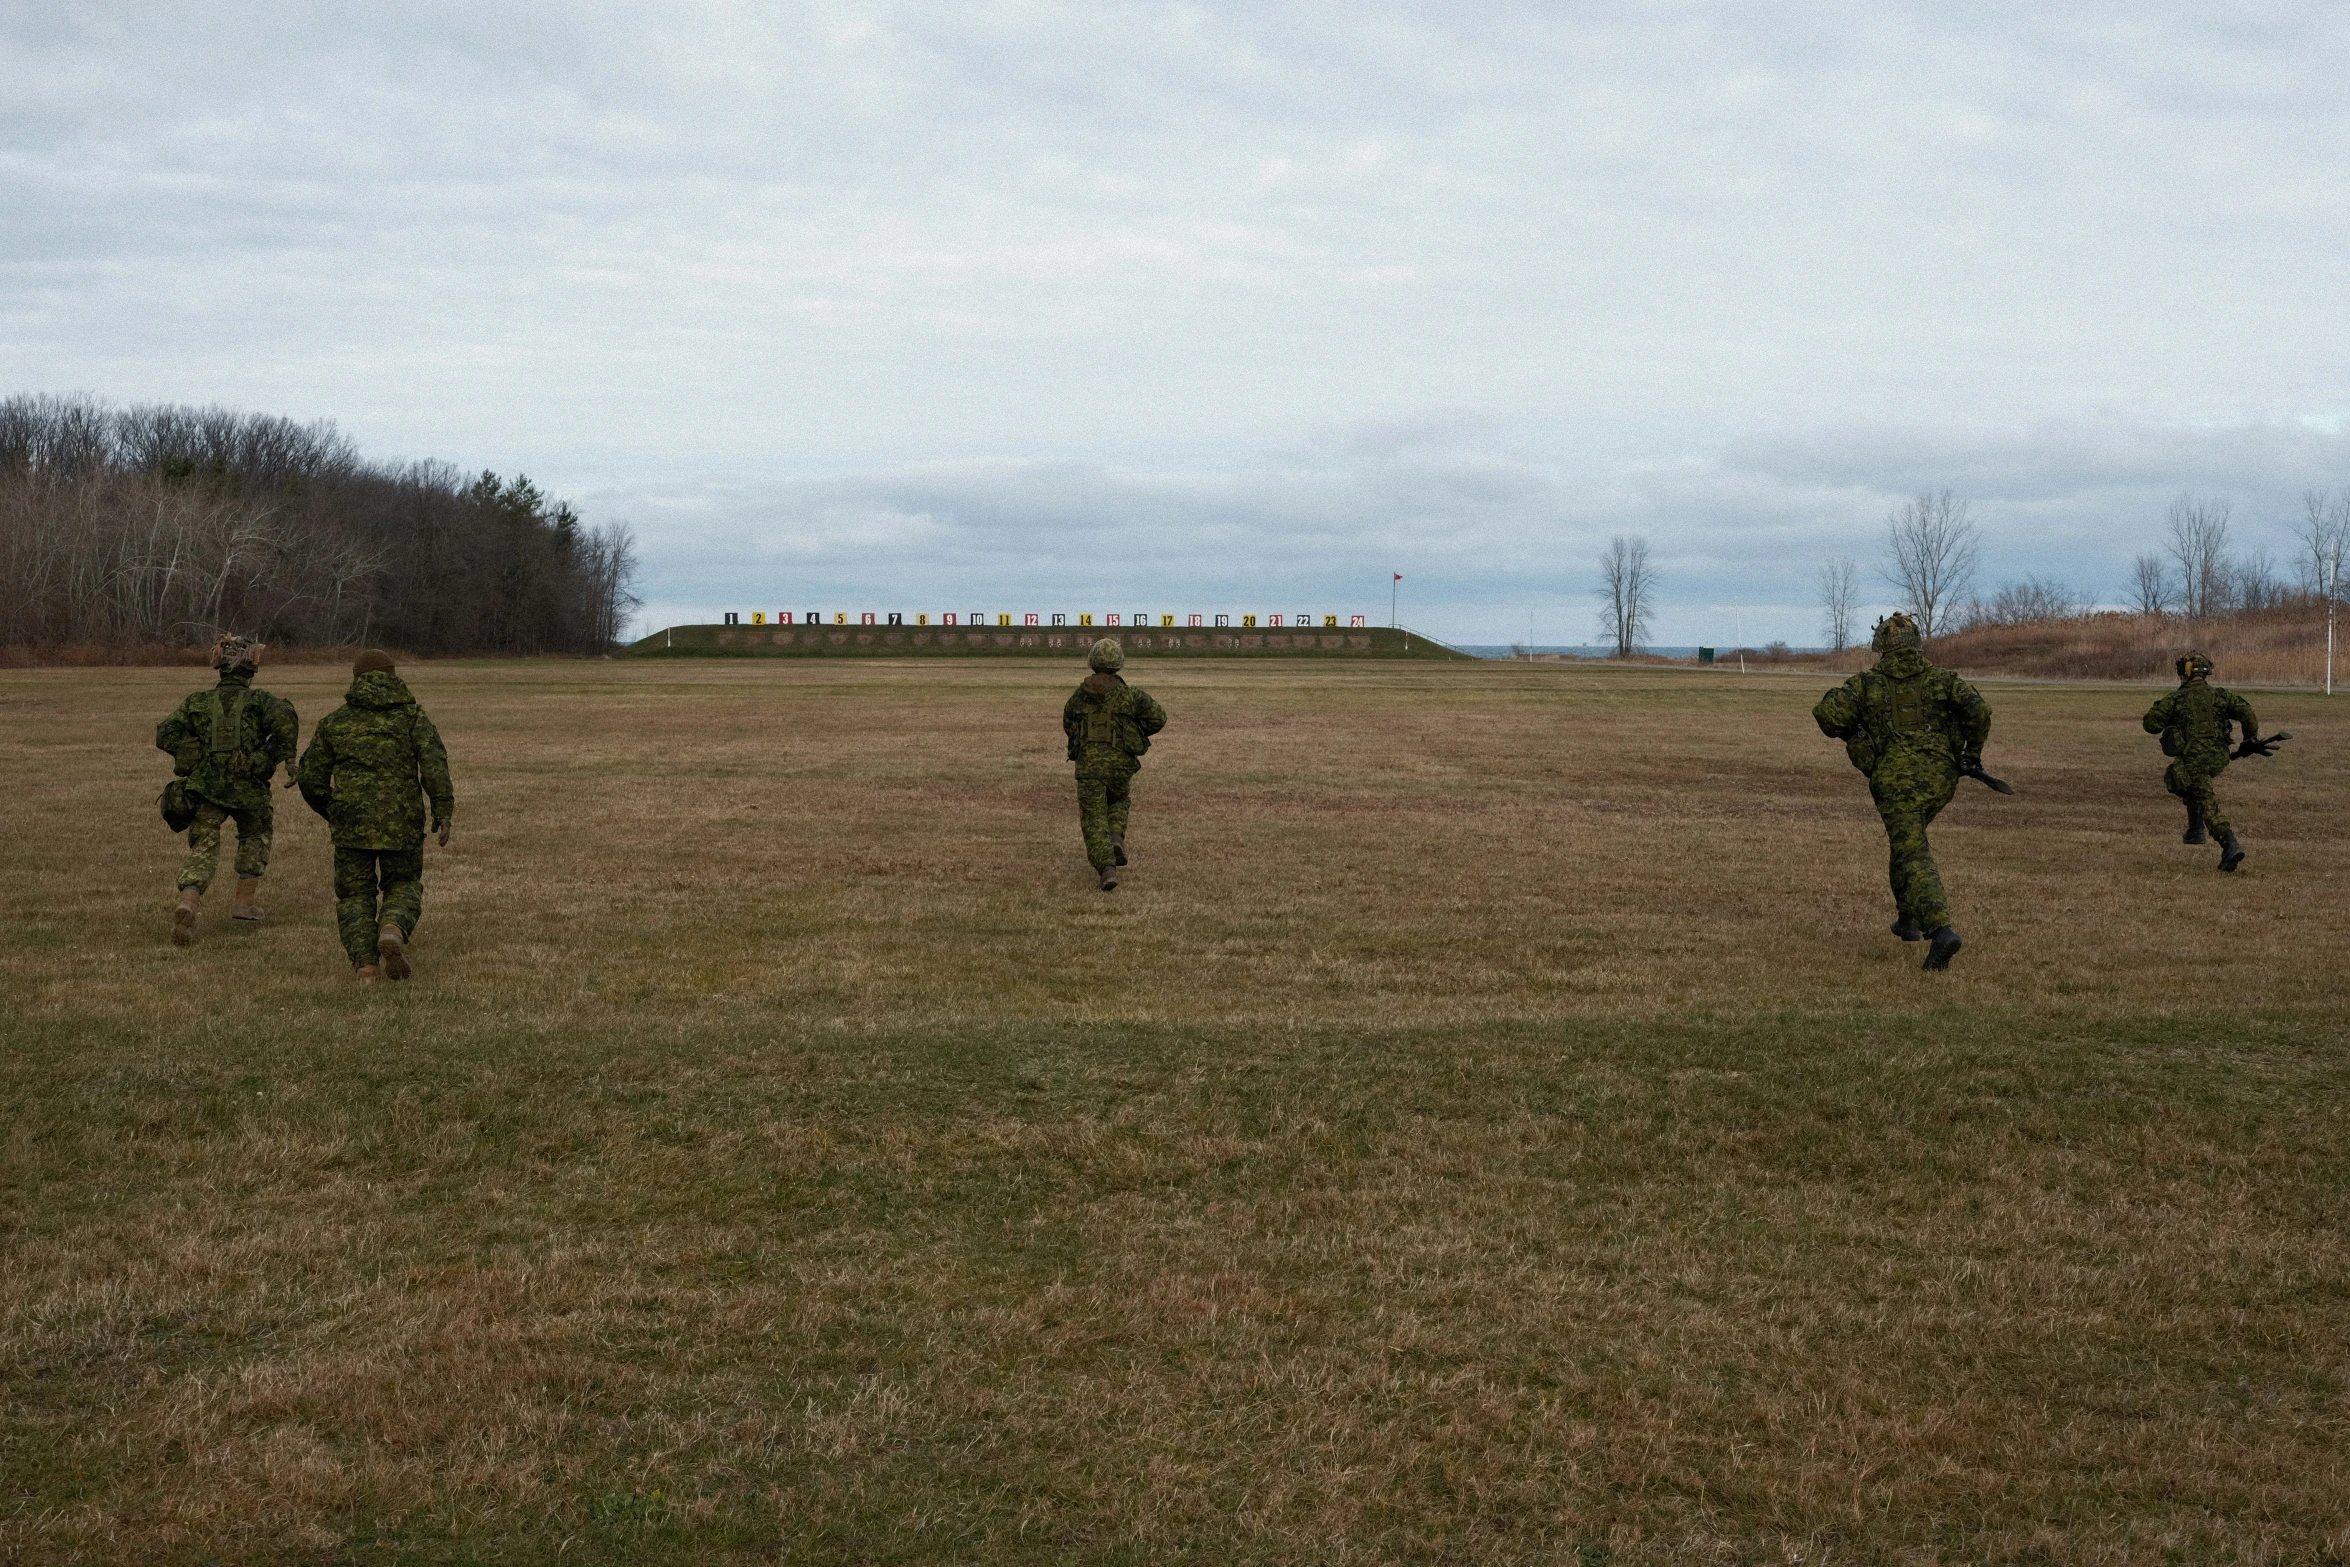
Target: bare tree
x,y
2325,541
2022,603
2196,535
2150,585
609,557
1930,550
2252,583
1839,600
1626,583
2324,534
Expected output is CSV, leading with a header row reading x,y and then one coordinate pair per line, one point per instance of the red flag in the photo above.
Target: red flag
x,y
1399,576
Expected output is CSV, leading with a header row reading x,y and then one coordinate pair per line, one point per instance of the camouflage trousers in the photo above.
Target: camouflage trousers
x,y
1101,814
1917,880
360,875
2193,785
255,828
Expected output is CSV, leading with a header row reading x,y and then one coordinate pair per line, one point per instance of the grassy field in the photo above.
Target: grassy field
x,y
1490,1124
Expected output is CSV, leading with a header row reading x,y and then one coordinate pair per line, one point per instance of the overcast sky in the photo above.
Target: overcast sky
x,y
1224,307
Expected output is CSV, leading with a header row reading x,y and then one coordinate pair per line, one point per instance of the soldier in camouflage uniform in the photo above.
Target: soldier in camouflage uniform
x,y
372,765
226,742
1109,724
1912,728
2193,722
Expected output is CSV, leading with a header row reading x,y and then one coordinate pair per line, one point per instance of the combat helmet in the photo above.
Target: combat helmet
x,y
1895,631
232,653
2192,665
1107,656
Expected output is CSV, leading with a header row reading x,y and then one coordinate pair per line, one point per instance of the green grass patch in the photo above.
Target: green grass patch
x,y
1851,1286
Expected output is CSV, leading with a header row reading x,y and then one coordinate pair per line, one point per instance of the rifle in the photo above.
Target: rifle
x,y
2268,747
1975,771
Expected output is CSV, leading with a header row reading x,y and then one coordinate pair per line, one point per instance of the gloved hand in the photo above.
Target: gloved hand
x,y
441,833
1972,767
2268,747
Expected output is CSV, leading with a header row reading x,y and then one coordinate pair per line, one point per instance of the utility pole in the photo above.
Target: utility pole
x,y
2333,592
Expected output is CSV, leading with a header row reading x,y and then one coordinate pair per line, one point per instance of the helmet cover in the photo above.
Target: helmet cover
x,y
1107,656
1893,632
232,653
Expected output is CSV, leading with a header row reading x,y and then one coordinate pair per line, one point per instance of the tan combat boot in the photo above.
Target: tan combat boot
x,y
1118,847
1109,878
183,918
368,975
394,948
246,908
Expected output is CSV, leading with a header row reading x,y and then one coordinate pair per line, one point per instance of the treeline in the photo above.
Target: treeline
x,y
164,526
2197,572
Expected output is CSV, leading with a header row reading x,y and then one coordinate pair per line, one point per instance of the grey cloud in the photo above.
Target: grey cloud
x,y
1483,532
2060,462
1266,289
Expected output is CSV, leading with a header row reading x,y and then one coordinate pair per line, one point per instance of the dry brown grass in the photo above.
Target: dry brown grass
x,y
2268,648
2284,647
1491,1124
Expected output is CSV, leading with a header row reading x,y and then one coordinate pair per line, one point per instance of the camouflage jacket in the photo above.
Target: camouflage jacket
x,y
1906,715
2193,722
1109,724
371,765
227,762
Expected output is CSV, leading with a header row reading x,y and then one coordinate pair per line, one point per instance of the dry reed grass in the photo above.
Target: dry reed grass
x,y
1491,1124
2279,648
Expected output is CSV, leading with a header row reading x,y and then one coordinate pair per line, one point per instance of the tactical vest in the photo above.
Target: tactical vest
x,y
227,745
1905,706
1893,710
2194,714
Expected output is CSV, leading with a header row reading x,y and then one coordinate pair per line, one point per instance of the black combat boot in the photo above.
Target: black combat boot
x,y
1109,878
1118,848
1946,945
2194,832
2231,853
1907,929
